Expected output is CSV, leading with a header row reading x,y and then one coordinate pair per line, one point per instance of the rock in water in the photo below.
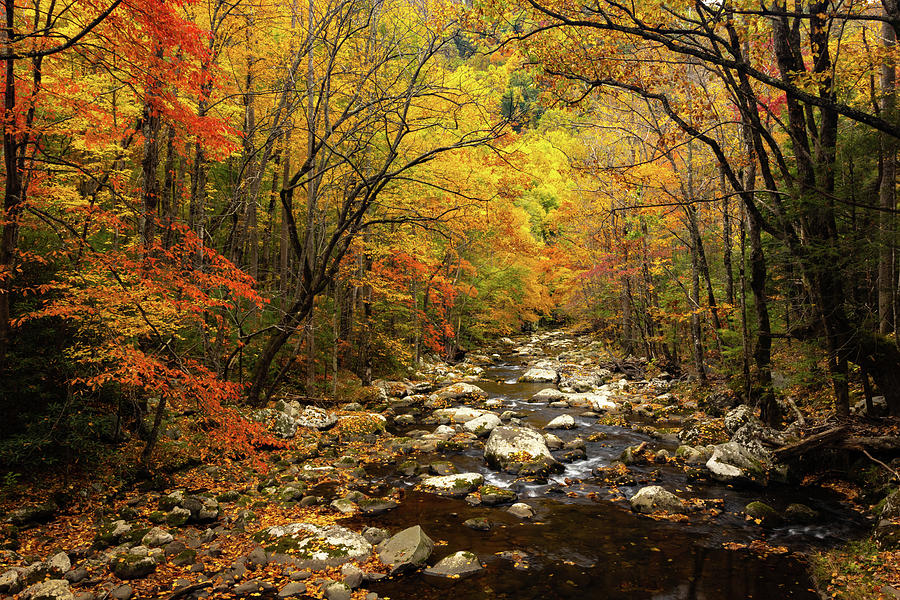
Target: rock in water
x,y
461,390
537,375
763,513
510,445
482,425
733,463
521,510
548,395
457,564
561,422
453,485
410,547
654,498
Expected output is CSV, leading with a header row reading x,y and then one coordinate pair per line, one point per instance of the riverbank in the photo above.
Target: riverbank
x,y
541,468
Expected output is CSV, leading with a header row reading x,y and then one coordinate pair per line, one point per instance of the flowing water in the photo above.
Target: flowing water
x,y
585,543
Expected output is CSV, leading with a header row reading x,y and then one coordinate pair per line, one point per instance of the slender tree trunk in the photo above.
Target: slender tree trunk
x,y
13,197
887,190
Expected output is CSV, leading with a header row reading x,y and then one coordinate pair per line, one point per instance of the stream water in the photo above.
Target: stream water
x,y
583,543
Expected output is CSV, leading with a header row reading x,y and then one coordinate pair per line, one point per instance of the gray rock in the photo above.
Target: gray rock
x,y
122,592
292,590
561,422
375,535
521,510
763,513
539,375
492,495
548,395
457,485
52,589
111,533
482,425
316,547
800,513
257,558
353,576
376,506
30,515
253,587
10,582
734,463
157,537
461,390
132,566
457,564
508,445
59,564
178,516
739,416
553,442
443,467
654,498
279,423
315,418
76,575
343,506
338,591
409,547
478,524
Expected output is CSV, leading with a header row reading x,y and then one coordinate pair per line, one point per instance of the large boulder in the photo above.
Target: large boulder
x,y
733,463
279,423
739,416
539,375
548,395
315,418
409,548
137,562
482,425
509,448
584,381
456,565
461,390
457,485
654,498
314,546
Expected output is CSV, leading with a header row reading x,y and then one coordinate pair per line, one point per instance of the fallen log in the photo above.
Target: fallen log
x,y
884,443
813,442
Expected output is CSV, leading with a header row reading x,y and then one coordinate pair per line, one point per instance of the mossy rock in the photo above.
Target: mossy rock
x,y
229,496
801,513
157,517
765,514
130,566
184,558
492,495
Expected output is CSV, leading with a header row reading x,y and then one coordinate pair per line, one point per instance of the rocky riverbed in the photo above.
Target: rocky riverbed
x,y
539,469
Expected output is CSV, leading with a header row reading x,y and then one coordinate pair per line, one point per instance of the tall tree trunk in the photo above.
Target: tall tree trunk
x,y
887,191
149,169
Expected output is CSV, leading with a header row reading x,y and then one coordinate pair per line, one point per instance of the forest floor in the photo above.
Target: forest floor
x,y
208,526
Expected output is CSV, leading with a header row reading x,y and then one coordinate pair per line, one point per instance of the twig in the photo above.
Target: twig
x,y
875,460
